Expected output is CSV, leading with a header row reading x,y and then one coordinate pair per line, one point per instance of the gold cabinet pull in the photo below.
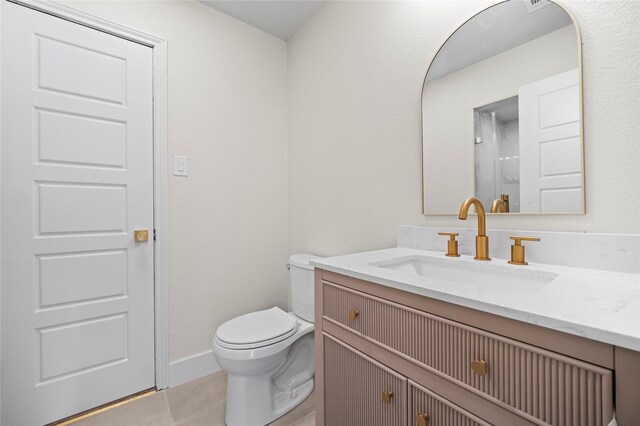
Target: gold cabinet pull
x,y
452,244
353,314
141,235
480,367
517,250
386,396
422,419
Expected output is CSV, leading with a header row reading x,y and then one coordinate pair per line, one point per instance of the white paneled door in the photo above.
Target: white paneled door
x,y
77,290
550,147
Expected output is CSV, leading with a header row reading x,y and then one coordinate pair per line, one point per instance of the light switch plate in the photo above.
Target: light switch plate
x,y
180,165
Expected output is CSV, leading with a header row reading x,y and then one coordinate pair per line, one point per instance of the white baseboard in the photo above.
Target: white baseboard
x,y
191,368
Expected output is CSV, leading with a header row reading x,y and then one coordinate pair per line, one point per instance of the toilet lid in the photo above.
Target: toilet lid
x,y
257,329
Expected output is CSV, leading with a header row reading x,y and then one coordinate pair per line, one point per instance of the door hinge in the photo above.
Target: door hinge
x,y
154,235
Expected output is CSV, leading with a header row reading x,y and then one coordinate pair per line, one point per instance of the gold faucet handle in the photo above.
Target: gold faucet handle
x,y
451,235
517,249
452,244
519,239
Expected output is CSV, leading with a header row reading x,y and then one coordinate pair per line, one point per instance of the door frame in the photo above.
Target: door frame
x,y
159,63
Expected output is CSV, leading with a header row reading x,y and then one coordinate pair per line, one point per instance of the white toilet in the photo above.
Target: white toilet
x,y
268,354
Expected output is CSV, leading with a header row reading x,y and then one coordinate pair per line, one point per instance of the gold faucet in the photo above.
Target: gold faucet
x,y
505,200
500,205
482,241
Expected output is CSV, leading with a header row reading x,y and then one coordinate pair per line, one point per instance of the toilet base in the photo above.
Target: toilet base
x,y
287,401
271,382
261,410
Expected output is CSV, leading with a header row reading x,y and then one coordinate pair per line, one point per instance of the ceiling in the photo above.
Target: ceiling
x,y
495,30
280,18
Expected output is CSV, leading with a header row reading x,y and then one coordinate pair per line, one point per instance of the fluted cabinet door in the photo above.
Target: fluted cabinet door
x,y
429,408
360,391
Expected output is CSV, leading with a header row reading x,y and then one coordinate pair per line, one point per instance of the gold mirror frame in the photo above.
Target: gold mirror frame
x,y
581,126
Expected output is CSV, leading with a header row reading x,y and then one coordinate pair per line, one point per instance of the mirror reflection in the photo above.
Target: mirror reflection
x,y
501,113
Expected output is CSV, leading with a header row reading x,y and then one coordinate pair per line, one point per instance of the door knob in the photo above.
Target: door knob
x,y
141,235
386,396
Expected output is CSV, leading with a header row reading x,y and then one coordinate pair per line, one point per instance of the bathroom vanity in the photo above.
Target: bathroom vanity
x,y
404,347
407,336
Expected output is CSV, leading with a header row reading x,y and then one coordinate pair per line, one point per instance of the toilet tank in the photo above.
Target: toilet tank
x,y
301,282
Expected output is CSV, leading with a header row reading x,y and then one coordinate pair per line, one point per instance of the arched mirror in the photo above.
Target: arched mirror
x,y
502,113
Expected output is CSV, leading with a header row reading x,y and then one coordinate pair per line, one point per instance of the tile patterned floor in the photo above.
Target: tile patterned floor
x,y
197,403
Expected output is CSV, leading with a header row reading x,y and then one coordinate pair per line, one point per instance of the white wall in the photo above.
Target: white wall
x,y
355,77
227,112
355,73
448,104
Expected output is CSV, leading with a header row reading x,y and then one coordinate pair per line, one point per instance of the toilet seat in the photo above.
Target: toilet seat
x,y
257,329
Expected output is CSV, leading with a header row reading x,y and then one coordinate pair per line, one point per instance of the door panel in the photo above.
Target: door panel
x,y
67,209
551,176
70,348
75,139
100,73
62,278
76,181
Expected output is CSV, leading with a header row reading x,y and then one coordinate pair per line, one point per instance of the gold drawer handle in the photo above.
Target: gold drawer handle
x,y
480,367
353,314
422,419
386,396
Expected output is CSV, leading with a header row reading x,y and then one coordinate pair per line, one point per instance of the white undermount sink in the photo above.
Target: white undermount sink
x,y
469,272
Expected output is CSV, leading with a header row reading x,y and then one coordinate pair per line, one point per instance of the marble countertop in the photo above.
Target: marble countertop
x,y
598,305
